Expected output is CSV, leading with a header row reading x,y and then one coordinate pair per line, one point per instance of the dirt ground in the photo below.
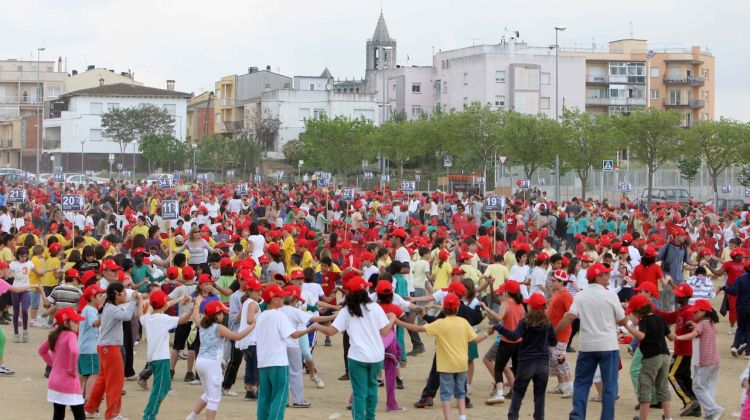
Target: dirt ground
x,y
24,395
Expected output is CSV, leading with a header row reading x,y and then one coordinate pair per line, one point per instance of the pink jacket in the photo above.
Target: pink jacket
x,y
64,362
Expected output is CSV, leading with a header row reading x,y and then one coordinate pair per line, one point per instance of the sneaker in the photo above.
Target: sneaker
x,y
132,378
47,370
303,404
120,418
171,374
189,377
399,383
327,343
318,382
16,338
555,390
498,398
344,377
195,381
570,349
393,410
25,336
717,415
566,391
468,403
493,390
136,343
381,383
741,348
423,402
415,351
228,392
731,330
93,415
4,371
688,410
251,395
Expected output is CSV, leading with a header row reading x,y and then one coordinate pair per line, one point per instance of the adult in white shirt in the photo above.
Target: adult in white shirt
x,y
600,312
213,207
257,242
365,322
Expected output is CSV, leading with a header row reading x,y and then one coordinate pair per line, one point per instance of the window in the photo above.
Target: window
x,y
655,94
545,78
218,119
674,97
500,101
416,111
416,88
705,74
112,106
312,86
171,108
705,95
304,113
95,134
466,79
445,86
34,67
19,68
95,108
53,92
544,103
528,78
596,93
655,72
500,76
50,68
319,113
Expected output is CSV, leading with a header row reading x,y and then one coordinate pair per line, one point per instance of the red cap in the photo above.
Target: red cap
x,y
110,265
274,248
294,291
139,250
205,278
627,238
92,290
157,299
213,308
252,283
701,305
384,287
736,252
457,270
649,252
683,290
188,273
356,284
67,314
561,275
586,258
596,270
173,272
87,275
443,255
72,273
264,259
282,277
399,232
272,291
451,302
464,256
649,288
367,256
542,256
637,301
456,287
55,247
536,301
510,286
225,263
297,274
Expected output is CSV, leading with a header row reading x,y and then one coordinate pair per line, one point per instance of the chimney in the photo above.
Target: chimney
x,y
170,84
59,64
101,81
252,70
75,72
91,67
124,73
268,67
267,87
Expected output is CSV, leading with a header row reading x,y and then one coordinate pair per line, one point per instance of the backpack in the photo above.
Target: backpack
x,y
561,227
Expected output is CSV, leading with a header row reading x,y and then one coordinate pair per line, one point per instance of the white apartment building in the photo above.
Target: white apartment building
x,y
509,75
410,90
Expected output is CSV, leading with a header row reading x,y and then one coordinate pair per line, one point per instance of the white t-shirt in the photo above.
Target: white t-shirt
x,y
599,310
369,271
538,278
299,321
259,242
248,340
582,280
365,343
21,272
520,274
157,328
272,329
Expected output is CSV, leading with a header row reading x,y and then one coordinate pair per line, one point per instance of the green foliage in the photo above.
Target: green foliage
x,y
337,145
398,141
531,141
586,141
216,153
164,151
481,129
689,168
744,176
126,125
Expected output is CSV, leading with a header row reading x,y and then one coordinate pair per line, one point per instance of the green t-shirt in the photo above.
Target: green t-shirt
x,y
224,282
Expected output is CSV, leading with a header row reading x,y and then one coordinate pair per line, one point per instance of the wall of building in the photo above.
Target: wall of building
x,y
252,85
402,96
93,78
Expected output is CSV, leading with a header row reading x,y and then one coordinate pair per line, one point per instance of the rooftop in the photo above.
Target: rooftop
x,y
381,30
127,90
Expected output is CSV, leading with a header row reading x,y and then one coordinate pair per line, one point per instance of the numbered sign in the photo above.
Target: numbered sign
x,y
16,195
127,174
542,182
176,175
368,175
111,158
417,177
494,203
526,184
257,179
201,177
165,183
188,172
624,186
230,173
278,175
747,191
408,186
347,194
72,202
169,209
385,178
241,190
119,166
479,180
57,169
59,177
322,182
447,161
89,173
726,189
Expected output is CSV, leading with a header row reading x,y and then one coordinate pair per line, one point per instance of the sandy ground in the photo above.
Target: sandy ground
x,y
24,395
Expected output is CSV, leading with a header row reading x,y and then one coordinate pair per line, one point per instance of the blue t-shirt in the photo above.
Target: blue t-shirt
x,y
87,333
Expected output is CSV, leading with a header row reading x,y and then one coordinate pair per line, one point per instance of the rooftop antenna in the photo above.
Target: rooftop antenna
x,y
473,41
593,43
631,29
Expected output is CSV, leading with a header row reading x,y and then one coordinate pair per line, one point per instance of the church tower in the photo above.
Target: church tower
x,y
380,53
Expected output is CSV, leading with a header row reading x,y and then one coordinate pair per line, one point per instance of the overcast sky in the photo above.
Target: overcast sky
x,y
196,42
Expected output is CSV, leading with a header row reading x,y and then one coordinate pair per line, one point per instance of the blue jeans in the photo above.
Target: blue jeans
x,y
452,385
608,362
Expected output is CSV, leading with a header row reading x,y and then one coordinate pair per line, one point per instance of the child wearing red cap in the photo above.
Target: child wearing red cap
x,y
60,351
88,331
187,288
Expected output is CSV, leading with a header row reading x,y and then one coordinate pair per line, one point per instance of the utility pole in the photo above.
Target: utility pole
x,y
558,29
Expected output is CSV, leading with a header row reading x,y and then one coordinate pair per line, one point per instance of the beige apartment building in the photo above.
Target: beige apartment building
x,y
94,77
628,75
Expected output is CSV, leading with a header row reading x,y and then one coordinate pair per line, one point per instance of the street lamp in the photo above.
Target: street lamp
x,y
558,29
38,114
195,148
83,141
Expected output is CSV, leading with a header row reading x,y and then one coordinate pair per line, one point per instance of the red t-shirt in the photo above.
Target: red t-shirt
x,y
650,274
485,247
733,271
679,318
328,283
558,307
392,308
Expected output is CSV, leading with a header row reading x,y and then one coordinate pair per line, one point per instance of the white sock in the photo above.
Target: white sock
x,y
462,417
192,416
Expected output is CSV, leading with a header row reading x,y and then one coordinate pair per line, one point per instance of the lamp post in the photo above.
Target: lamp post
x,y
558,29
195,148
38,113
83,141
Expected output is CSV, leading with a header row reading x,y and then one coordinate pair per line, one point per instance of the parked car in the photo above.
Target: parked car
x,y
726,204
667,195
17,174
79,179
154,178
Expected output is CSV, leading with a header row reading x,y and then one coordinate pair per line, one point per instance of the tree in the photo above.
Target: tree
x,y
482,132
531,141
720,144
586,141
397,141
337,145
217,153
653,137
689,169
163,151
126,125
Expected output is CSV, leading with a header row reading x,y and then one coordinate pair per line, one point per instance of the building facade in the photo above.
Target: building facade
x,y
510,75
73,130
409,90
200,117
94,77
628,76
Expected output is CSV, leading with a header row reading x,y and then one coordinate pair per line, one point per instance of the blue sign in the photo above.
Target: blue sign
x,y
608,165
176,175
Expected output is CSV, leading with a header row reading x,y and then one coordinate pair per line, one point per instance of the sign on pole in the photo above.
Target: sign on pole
x,y
89,173
526,184
726,189
176,175
169,209
72,202
502,159
448,161
408,186
241,190
347,194
747,191
165,183
494,203
230,173
368,175
608,165
188,172
127,174
385,178
111,158
201,177
257,179
16,195
59,177
322,182
624,186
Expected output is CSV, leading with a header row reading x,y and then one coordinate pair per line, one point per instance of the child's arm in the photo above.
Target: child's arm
x,y
511,335
635,332
223,331
298,334
196,314
325,329
411,327
564,322
323,319
689,336
426,298
480,337
671,336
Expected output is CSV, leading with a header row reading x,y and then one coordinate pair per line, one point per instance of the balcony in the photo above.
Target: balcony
x,y
23,100
691,80
593,80
52,144
697,103
616,101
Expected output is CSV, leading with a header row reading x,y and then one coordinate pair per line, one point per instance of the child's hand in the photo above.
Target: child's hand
x,y
185,299
690,325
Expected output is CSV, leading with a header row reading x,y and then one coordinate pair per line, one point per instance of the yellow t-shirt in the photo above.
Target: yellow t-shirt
x,y
470,272
90,241
50,278
498,272
510,259
292,268
6,254
140,230
34,278
452,335
334,268
307,260
289,248
442,276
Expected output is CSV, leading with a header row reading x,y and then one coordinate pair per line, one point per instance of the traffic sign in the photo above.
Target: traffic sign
x,y
16,195
257,179
72,202
169,209
624,186
417,177
241,190
608,165
127,174
89,173
176,175
322,182
111,158
230,173
368,175
385,178
119,166
165,183
347,194
408,186
526,184
747,191
447,161
57,169
188,172
203,177
59,177
502,159
542,181
494,203
278,175
726,189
